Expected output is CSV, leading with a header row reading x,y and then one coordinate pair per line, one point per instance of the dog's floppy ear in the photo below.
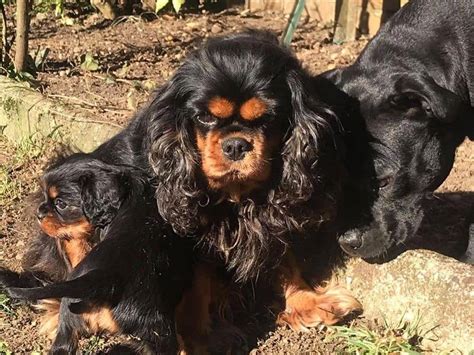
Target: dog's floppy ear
x,y
437,102
172,157
102,194
312,127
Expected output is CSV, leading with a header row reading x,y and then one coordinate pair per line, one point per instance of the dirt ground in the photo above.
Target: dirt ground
x,y
135,55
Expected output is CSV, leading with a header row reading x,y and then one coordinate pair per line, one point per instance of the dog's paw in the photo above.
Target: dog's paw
x,y
309,308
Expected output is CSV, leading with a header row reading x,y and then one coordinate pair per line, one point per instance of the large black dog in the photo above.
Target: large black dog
x,y
414,87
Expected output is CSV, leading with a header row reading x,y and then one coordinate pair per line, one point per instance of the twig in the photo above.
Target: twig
x,y
99,122
74,118
89,104
125,81
98,96
73,99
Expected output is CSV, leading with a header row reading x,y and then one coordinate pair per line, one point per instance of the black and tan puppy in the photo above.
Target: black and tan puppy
x,y
132,281
414,88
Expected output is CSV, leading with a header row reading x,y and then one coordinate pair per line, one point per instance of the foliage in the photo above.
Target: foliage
x,y
58,6
404,337
94,345
5,307
20,76
11,187
177,4
89,63
4,348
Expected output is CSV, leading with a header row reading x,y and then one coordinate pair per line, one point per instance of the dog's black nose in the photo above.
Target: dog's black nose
x,y
350,240
236,148
42,211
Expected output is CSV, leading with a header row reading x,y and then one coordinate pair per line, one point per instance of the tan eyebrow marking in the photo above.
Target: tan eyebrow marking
x,y
53,192
221,107
253,108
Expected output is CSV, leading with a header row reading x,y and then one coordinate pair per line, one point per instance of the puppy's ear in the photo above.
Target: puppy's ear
x,y
312,127
102,195
172,157
437,102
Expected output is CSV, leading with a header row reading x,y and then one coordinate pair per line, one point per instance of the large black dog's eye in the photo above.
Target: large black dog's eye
x,y
60,204
206,119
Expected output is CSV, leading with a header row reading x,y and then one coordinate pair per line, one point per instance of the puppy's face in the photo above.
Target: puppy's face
x,y
414,127
79,194
60,213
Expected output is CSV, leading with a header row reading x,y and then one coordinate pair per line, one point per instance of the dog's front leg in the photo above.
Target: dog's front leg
x,y
307,307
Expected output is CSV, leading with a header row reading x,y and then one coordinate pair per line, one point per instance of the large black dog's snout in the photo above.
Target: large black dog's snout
x,y
350,241
236,148
42,211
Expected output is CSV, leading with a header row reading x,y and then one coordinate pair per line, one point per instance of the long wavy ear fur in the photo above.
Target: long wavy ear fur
x,y
102,194
313,128
173,159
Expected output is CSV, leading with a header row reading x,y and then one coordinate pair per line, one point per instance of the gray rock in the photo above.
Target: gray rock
x,y
419,282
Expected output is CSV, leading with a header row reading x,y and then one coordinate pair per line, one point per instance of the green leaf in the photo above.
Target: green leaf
x,y
67,21
59,8
160,4
177,4
4,348
89,63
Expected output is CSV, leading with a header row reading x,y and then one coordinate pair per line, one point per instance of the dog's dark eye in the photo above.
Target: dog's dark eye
x,y
384,181
206,119
60,204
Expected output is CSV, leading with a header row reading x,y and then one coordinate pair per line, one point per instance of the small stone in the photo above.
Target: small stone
x,y
216,28
192,24
41,16
345,52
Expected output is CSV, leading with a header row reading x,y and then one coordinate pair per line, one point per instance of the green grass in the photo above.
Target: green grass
x,y
10,189
403,337
4,348
93,345
18,158
5,306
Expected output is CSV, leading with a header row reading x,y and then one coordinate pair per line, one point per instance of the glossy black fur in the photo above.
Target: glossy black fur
x,y
414,88
250,235
139,269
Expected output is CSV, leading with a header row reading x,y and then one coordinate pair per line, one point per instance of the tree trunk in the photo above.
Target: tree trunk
x,y
22,28
4,48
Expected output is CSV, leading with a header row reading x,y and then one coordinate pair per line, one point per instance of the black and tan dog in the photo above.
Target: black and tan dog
x,y
131,281
414,88
245,158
